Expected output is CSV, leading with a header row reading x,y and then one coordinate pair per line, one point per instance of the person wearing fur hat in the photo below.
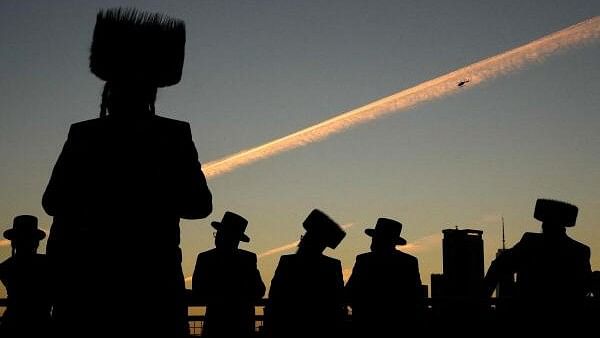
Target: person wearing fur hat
x,y
25,276
552,270
227,280
121,185
384,289
306,294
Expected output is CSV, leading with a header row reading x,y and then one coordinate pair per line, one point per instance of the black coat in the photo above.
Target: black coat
x,y
306,297
27,313
384,292
552,279
117,192
230,286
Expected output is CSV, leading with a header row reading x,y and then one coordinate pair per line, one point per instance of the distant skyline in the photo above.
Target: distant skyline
x,y
259,70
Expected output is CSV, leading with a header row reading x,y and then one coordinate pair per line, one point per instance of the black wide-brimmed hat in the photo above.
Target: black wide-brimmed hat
x,y
132,46
234,224
324,227
388,228
555,212
25,227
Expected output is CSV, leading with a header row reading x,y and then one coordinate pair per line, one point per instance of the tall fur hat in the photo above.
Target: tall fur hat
x,y
139,47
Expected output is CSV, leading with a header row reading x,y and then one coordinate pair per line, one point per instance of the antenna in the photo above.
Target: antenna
x,y
503,241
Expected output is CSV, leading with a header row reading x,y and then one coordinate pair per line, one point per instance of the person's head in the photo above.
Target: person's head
x,y
24,235
386,235
321,232
230,231
135,52
555,216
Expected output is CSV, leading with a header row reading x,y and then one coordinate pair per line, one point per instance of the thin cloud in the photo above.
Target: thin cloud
x,y
423,244
478,72
290,246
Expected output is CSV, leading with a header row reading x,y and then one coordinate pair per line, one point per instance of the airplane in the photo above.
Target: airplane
x,y
462,83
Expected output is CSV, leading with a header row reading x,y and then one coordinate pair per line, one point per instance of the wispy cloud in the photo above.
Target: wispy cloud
x,y
436,88
423,244
285,247
289,246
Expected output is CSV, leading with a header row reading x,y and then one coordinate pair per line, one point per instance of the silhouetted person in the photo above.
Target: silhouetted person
x,y
120,186
306,294
227,280
25,276
384,289
552,270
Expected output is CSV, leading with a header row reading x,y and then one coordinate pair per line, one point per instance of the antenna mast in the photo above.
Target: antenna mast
x,y
503,241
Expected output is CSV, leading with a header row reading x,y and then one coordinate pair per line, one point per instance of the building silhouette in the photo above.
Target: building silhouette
x,y
463,268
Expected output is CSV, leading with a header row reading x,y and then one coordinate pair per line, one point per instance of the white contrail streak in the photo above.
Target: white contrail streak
x,y
289,246
423,244
477,73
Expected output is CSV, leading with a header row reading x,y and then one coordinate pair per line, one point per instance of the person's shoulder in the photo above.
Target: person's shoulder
x,y
406,256
245,254
365,256
206,254
579,246
6,263
170,122
88,124
330,260
531,237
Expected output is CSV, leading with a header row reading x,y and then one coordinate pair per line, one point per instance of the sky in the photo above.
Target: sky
x,y
258,70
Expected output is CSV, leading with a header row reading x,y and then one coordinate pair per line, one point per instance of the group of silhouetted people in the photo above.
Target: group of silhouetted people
x,y
124,180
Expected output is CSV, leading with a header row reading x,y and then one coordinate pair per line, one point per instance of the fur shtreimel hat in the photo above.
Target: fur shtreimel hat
x,y
555,212
137,47
324,227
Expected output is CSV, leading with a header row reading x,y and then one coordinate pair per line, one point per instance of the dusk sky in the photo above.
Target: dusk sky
x,y
258,70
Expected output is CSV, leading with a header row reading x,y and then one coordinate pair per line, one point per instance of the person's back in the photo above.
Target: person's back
x,y
552,272
552,268
227,280
120,186
384,289
306,294
25,276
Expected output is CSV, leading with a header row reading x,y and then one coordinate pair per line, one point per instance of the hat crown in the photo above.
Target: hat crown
x,y
137,47
388,227
554,211
234,222
324,227
24,226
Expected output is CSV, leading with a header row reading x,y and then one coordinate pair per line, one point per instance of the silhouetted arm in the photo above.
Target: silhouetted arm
x,y
196,199
201,287
54,197
258,282
417,282
506,263
351,286
339,294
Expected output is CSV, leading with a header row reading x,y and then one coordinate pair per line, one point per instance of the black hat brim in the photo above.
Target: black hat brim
x,y
399,240
11,234
218,227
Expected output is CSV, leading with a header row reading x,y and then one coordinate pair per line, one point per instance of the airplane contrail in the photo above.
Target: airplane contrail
x,y
289,246
423,244
438,87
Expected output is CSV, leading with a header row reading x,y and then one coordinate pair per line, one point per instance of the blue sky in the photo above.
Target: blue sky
x,y
257,70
